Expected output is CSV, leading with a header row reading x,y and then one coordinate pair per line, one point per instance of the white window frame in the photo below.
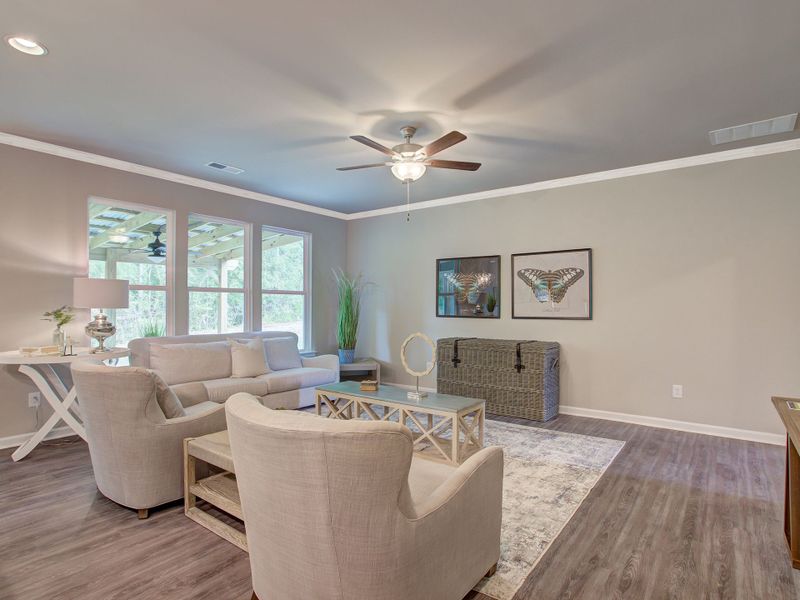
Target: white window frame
x,y
247,255
305,292
169,288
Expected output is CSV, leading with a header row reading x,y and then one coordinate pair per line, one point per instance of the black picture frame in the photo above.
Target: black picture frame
x,y
457,309
517,283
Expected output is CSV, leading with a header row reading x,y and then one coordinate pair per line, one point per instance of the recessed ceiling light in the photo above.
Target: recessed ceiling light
x,y
26,45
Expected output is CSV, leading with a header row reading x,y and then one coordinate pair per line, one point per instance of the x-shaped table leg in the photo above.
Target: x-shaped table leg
x,y
61,411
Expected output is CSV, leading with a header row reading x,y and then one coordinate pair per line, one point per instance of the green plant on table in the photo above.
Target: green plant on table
x,y
60,316
349,291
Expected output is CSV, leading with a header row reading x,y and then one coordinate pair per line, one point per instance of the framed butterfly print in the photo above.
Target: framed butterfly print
x,y
552,285
468,287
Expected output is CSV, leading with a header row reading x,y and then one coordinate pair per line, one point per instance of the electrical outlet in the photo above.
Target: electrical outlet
x,y
677,390
34,399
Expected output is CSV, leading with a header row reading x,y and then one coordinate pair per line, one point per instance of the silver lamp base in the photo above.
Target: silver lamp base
x,y
100,328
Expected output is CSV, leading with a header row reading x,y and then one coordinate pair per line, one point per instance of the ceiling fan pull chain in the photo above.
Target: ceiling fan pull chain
x,y
408,201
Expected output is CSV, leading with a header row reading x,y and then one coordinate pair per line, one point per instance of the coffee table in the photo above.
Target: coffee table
x,y
445,427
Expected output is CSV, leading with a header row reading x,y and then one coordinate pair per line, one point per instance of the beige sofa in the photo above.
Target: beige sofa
x,y
346,497
198,369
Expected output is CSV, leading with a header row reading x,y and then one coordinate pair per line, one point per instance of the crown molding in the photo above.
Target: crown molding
x,y
122,165
656,167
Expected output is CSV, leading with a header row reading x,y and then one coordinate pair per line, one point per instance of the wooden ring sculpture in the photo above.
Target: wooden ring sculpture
x,y
431,362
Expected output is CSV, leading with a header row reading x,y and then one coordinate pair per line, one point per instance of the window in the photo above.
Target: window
x,y
284,283
131,242
217,276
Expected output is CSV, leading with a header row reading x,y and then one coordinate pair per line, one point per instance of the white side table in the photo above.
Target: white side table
x,y
64,403
361,365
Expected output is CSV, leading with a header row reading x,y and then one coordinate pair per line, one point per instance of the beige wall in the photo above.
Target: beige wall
x,y
696,282
43,203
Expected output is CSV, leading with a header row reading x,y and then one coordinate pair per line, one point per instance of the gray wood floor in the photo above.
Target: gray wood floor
x,y
677,515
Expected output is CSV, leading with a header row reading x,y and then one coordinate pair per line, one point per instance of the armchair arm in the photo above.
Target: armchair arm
x,y
323,361
463,515
481,474
198,423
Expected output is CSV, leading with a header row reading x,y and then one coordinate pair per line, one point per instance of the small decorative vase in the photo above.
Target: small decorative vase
x,y
58,337
347,355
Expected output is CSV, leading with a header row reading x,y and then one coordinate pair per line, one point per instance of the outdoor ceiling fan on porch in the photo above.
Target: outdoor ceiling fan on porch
x,y
410,161
157,250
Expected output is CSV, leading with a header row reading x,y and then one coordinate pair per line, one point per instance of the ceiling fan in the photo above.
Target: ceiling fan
x,y
410,161
157,250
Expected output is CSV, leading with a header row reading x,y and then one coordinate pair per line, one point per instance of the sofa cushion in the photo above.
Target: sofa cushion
x,y
248,358
294,379
219,390
282,353
190,393
202,408
170,404
180,363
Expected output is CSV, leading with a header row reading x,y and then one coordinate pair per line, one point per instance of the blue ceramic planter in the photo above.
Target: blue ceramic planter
x,y
347,356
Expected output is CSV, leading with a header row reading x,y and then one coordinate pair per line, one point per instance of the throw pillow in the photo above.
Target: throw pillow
x,y
248,358
282,353
166,398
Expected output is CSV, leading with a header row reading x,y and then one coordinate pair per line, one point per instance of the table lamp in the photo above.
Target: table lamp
x,y
96,293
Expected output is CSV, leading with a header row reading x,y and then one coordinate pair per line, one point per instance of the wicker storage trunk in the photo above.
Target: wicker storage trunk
x,y
517,378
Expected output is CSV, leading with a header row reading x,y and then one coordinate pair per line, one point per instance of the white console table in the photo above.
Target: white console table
x,y
64,403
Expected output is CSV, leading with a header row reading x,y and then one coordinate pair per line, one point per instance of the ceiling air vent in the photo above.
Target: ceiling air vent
x,y
226,168
750,130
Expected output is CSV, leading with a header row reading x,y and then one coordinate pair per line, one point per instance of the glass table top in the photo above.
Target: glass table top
x,y
389,393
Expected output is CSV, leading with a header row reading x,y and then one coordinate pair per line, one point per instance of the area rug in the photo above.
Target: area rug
x,y
548,474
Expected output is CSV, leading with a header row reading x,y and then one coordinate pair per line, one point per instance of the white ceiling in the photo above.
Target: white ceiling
x,y
542,89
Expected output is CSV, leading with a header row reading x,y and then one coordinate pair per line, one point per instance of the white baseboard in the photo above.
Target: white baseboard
x,y
727,432
12,441
763,437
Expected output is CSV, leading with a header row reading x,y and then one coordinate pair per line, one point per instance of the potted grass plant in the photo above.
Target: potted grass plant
x,y
349,291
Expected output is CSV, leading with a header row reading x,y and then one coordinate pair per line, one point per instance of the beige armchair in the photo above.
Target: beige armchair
x,y
339,509
136,452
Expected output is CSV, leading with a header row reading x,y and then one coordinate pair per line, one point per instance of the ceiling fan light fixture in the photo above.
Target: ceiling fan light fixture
x,y
156,258
408,170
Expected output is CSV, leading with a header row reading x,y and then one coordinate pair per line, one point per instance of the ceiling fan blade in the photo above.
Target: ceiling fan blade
x,y
361,167
373,144
453,164
450,139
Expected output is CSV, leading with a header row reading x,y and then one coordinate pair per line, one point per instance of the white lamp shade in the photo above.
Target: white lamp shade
x,y
100,293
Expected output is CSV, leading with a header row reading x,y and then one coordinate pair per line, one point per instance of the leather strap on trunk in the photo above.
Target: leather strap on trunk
x,y
518,365
457,360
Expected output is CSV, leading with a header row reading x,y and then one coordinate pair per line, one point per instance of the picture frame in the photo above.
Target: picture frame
x,y
468,287
556,284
